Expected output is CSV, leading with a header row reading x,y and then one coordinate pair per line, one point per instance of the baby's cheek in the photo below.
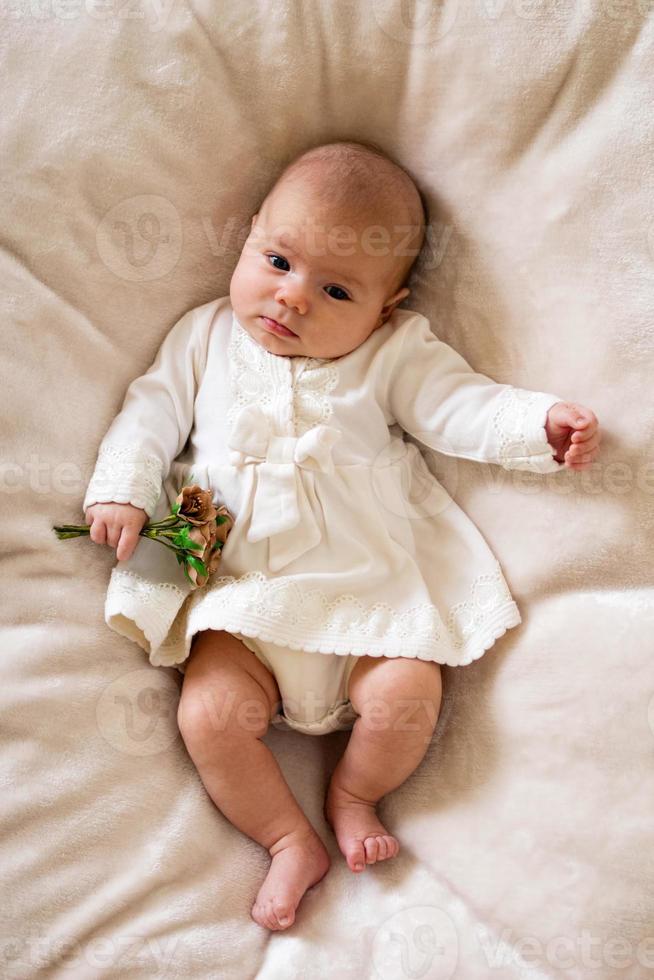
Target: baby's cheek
x,y
242,285
236,291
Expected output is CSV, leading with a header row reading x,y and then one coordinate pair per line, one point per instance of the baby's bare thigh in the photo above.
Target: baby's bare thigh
x,y
221,667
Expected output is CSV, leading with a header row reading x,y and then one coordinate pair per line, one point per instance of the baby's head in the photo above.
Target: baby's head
x,y
329,251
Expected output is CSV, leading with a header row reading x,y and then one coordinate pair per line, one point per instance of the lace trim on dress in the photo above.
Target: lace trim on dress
x,y
299,607
283,612
251,379
253,382
125,475
151,607
511,422
311,390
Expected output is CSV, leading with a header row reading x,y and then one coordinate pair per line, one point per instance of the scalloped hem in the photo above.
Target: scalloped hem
x,y
482,639
131,612
130,628
135,622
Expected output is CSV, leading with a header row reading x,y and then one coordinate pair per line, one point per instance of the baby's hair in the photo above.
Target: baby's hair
x,y
360,175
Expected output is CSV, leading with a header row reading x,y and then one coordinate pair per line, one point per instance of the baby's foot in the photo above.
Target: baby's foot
x,y
361,837
299,861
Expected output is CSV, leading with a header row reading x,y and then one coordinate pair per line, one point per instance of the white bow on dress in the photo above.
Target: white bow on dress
x,y
280,502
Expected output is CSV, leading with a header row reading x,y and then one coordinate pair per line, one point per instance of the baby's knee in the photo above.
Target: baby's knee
x,y
403,694
236,708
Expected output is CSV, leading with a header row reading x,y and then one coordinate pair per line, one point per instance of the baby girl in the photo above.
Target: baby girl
x,y
338,596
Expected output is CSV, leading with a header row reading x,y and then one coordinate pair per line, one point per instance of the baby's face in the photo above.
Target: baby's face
x,y
326,280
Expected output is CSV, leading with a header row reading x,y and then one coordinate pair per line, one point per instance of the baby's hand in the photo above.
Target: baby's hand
x,y
117,525
573,432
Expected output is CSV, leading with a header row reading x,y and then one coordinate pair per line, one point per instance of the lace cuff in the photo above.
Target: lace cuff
x,y
125,475
520,427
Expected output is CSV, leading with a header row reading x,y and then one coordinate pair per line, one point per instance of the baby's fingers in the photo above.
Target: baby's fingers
x,y
579,451
588,433
128,541
575,460
98,531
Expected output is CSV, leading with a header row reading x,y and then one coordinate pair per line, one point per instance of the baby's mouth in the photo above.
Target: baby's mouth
x,y
277,328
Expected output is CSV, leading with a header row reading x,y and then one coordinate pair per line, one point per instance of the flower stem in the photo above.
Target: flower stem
x,y
159,537
166,522
72,530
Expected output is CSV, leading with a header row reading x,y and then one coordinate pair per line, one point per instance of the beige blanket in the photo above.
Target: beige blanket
x,y
137,139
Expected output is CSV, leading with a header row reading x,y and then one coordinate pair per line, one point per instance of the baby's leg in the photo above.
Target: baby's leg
x,y
228,698
399,701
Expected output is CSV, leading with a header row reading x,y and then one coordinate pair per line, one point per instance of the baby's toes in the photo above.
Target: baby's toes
x,y
283,917
371,845
356,856
261,916
271,921
387,847
392,847
269,917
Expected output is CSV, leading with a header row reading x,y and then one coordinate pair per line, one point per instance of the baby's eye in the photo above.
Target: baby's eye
x,y
280,259
338,288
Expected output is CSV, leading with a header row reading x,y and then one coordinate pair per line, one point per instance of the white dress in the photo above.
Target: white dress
x,y
329,552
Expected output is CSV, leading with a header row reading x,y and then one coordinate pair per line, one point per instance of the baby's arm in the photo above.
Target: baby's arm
x,y
434,394
153,425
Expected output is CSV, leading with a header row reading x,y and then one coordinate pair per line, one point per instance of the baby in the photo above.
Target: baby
x,y
313,302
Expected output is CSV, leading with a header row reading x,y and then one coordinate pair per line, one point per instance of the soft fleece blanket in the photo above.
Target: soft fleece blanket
x,y
137,139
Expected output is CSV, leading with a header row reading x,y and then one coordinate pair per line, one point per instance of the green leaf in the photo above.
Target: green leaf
x,y
197,564
184,540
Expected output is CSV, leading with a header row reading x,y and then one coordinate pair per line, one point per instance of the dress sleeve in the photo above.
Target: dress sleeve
x,y
435,395
152,426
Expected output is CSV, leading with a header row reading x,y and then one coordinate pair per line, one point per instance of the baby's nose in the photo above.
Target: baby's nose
x,y
294,296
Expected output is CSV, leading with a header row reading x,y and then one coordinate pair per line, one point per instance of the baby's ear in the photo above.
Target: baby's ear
x,y
392,302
